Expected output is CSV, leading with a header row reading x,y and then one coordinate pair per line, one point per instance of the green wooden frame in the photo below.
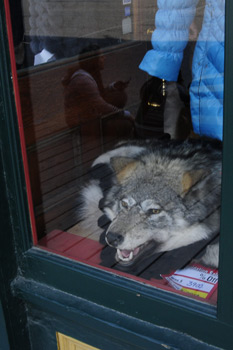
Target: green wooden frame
x,y
142,303
225,300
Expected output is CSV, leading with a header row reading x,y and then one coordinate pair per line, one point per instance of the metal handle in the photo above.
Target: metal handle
x,y
163,87
149,31
153,104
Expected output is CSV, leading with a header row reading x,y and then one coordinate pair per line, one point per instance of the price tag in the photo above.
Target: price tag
x,y
194,279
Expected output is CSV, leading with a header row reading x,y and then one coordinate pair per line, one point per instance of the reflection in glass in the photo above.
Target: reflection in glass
x,y
108,96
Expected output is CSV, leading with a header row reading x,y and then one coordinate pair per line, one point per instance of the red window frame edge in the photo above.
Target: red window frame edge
x,y
20,120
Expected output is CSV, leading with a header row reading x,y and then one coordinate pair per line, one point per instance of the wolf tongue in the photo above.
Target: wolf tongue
x,y
126,252
136,250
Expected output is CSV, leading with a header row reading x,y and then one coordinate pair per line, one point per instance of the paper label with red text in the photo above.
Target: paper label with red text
x,y
195,279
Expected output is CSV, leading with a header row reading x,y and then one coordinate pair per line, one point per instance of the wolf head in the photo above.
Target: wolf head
x,y
166,201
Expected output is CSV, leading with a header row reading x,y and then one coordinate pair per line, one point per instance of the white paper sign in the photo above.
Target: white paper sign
x,y
194,279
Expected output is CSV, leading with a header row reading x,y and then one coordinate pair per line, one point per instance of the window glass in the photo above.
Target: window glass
x,y
122,107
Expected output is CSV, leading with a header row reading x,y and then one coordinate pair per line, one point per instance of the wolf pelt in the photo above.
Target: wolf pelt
x,y
166,193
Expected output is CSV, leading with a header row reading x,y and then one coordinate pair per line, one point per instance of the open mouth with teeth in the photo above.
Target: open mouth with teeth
x,y
128,257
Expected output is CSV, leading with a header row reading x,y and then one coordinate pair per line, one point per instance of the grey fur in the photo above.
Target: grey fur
x,y
90,211
166,193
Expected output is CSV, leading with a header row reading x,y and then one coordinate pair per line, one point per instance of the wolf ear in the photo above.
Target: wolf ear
x,y
190,178
123,167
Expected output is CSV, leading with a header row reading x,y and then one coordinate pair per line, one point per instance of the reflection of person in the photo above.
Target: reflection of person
x,y
169,39
85,96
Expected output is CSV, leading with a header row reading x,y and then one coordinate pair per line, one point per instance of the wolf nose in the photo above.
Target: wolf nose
x,y
113,238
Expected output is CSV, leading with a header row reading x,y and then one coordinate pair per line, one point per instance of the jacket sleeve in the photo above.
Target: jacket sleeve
x,y
169,39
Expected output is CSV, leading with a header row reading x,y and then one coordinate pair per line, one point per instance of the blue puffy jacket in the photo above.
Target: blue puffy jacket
x,y
169,39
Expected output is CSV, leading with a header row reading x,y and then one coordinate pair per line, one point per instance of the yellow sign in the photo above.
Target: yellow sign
x,y
67,343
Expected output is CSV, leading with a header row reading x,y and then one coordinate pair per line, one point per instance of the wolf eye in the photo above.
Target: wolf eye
x,y
153,211
124,204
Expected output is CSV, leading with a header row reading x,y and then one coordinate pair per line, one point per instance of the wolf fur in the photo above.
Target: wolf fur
x,y
164,193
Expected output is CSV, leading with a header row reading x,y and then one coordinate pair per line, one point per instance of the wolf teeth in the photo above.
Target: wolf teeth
x,y
130,257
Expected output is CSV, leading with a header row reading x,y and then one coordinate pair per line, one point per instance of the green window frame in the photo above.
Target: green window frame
x,y
207,323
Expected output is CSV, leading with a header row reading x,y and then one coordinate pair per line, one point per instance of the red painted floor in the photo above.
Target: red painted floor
x,y
87,251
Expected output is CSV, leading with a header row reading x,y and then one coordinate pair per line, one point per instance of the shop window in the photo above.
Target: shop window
x,y
90,78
